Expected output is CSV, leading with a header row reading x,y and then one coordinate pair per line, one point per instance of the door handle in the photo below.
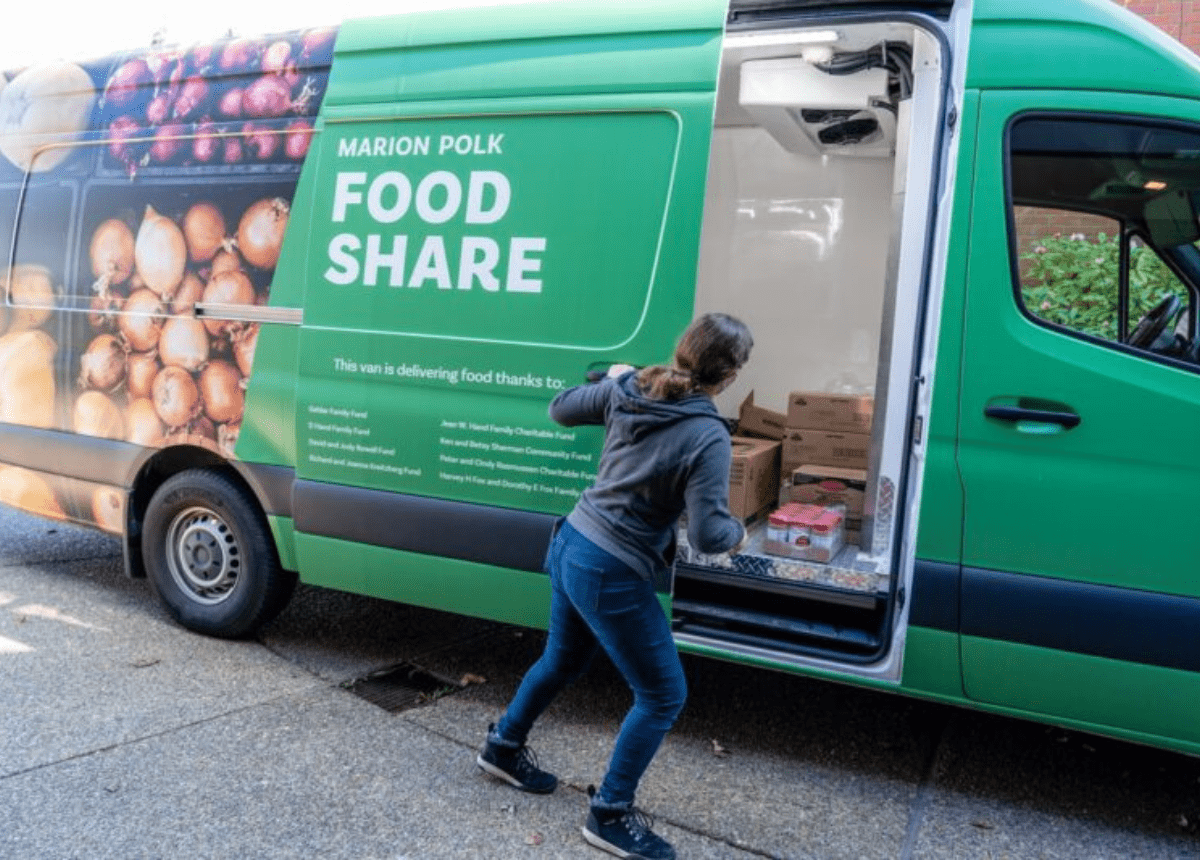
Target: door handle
x,y
1018,414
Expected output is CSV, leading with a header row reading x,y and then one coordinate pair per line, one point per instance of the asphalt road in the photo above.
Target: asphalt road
x,y
124,736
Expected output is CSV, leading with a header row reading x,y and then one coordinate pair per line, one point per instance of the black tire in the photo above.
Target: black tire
x,y
210,556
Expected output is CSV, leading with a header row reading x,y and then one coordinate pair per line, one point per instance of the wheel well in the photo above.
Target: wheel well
x,y
154,473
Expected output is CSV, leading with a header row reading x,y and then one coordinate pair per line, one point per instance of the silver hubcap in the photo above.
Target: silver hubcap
x,y
203,555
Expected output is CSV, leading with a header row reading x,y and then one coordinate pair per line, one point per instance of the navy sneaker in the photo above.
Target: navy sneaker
x,y
516,765
625,832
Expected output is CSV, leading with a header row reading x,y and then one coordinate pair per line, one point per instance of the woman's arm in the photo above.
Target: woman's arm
x,y
711,527
583,404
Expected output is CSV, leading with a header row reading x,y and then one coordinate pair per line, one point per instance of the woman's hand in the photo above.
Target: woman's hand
x,y
741,545
618,370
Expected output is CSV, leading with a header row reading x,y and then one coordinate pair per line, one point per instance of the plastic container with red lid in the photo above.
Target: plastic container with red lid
x,y
807,532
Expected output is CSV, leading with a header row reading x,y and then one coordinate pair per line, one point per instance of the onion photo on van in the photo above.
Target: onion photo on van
x,y
173,377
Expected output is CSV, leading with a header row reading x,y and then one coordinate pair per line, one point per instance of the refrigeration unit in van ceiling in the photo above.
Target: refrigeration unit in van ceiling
x,y
825,103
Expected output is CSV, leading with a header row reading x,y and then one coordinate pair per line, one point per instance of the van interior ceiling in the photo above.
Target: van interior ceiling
x,y
802,229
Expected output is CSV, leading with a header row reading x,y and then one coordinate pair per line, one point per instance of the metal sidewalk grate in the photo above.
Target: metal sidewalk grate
x,y
400,687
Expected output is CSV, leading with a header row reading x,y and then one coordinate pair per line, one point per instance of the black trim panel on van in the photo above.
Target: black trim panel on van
x,y
1082,618
86,458
477,533
116,463
1062,615
935,596
273,484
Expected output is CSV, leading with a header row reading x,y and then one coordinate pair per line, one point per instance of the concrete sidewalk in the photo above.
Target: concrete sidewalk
x,y
125,736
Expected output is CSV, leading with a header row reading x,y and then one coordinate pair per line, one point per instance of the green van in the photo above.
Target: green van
x,y
292,309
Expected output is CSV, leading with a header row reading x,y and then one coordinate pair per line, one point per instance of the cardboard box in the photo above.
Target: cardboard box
x,y
813,410
825,448
753,476
828,485
756,421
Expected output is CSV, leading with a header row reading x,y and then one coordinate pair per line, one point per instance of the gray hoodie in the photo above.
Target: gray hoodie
x,y
659,457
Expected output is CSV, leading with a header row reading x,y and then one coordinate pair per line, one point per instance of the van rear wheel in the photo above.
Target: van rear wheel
x,y
210,557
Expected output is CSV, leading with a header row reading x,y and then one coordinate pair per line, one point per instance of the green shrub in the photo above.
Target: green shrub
x,y
1073,281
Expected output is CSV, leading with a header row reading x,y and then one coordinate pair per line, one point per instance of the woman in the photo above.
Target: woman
x,y
666,448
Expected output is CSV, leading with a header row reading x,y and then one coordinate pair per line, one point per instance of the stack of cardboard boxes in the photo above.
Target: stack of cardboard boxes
x,y
815,454
753,478
825,452
755,473
826,430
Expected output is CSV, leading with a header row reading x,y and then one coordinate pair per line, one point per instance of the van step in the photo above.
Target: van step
x,y
827,650
722,621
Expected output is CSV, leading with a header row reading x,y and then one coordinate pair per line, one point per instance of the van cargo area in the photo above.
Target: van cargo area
x,y
815,222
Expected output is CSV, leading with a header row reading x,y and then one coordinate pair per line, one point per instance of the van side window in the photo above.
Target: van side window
x,y
1070,271
1069,268
42,229
1105,229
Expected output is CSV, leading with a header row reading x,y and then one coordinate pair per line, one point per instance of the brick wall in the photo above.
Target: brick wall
x,y
1179,18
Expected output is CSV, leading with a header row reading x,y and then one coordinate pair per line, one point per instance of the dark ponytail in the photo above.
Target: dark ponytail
x,y
709,352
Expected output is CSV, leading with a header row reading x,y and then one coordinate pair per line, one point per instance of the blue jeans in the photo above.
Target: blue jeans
x,y
597,601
